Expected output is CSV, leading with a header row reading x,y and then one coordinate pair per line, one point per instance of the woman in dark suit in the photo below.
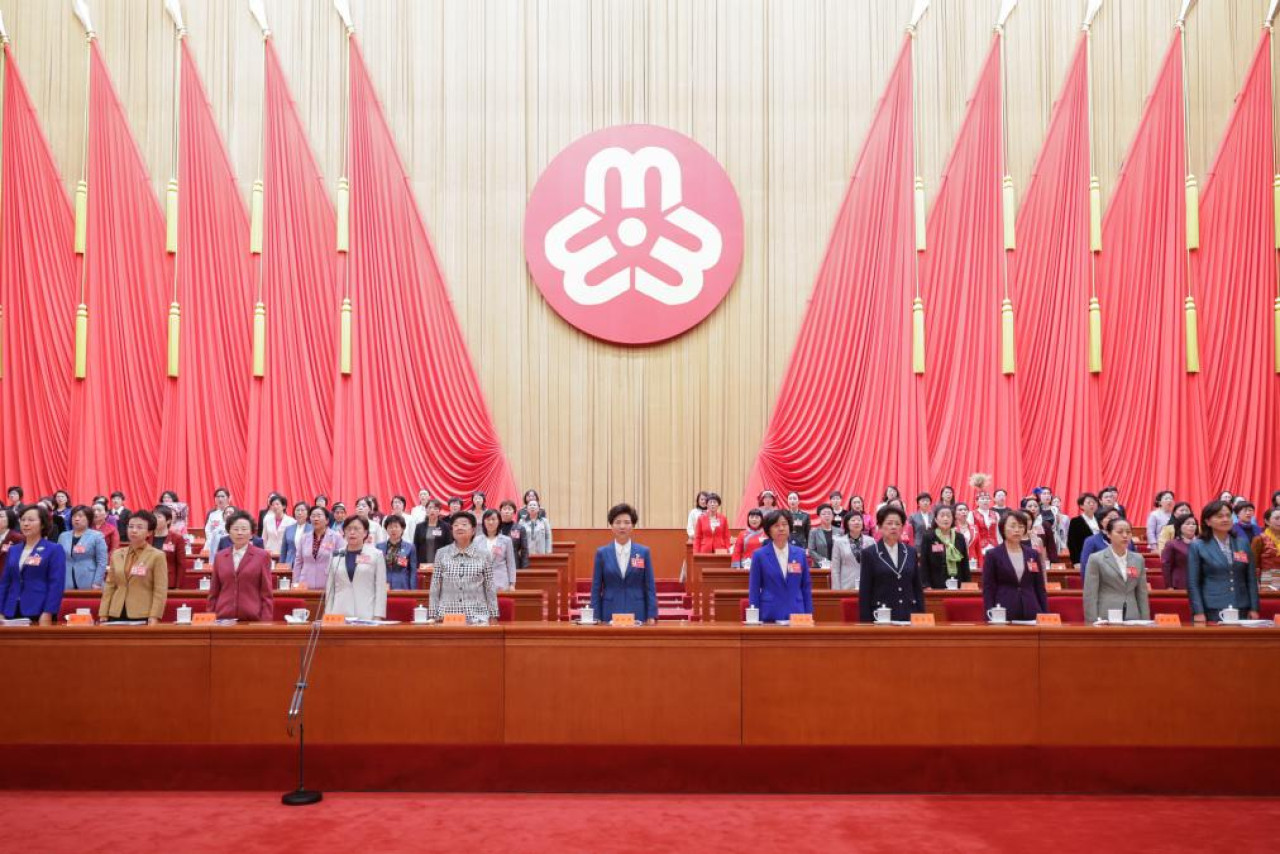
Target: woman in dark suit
x,y
1220,568
779,583
943,552
1173,560
1012,576
890,575
432,534
1083,526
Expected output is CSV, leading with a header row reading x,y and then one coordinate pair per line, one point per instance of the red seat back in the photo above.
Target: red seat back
x,y
1180,606
743,604
171,607
506,610
1269,609
968,609
280,607
1156,580
849,609
1074,582
71,603
401,608
1069,608
665,585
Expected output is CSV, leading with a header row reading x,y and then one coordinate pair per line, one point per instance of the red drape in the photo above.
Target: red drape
x,y
207,406
1152,429
1235,272
972,408
116,409
38,276
412,413
291,408
825,432
1058,397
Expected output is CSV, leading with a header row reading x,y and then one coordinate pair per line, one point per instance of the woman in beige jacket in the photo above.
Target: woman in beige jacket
x,y
136,584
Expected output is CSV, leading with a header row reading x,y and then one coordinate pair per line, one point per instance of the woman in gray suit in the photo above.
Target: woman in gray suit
x,y
1116,577
357,585
846,554
462,582
500,548
1220,568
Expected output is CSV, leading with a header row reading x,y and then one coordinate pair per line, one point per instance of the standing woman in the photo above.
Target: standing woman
x,y
1220,568
1042,536
102,524
311,563
1266,548
822,538
943,552
9,534
750,540
431,535
699,507
622,575
856,506
537,529
240,587
136,585
963,526
1159,517
462,582
1083,526
779,584
1173,558
86,552
1011,576
510,527
1170,532
766,501
711,533
846,558
273,525
62,506
399,554
295,534
800,521
172,543
985,525
357,585
947,496
169,498
365,509
399,508
891,577
35,570
501,549
891,493
1117,577
529,496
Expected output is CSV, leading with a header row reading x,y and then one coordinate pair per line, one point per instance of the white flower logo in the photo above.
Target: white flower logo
x,y
642,244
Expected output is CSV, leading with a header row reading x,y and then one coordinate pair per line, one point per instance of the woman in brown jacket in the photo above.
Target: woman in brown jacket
x,y
137,581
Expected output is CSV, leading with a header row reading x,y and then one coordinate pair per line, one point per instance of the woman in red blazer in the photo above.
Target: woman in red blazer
x,y
711,534
241,591
173,544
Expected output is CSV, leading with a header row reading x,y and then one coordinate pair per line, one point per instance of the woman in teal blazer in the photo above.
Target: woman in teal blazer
x,y
1220,568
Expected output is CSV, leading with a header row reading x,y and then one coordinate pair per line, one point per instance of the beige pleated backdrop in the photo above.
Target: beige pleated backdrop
x,y
481,94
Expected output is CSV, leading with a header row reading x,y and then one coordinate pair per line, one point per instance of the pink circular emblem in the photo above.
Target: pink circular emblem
x,y
634,234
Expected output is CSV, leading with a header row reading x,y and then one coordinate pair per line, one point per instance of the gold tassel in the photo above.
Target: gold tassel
x,y
1010,212
175,331
259,340
920,218
1277,334
344,356
1193,338
82,340
1193,213
255,218
1095,215
344,214
171,217
1275,201
1007,360
82,214
917,335
1095,336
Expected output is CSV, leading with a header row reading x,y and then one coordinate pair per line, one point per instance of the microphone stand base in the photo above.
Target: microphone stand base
x,y
301,798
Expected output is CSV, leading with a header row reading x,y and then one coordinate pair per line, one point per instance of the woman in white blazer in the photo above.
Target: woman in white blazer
x,y
357,585
1116,577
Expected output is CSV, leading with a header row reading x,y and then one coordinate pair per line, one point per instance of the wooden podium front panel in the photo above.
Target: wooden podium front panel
x,y
600,685
105,685
393,684
1139,686
889,685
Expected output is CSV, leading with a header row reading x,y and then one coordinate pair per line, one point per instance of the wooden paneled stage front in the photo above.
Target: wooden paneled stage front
x,y
684,707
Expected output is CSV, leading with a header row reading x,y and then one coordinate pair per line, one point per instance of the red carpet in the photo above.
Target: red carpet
x,y
250,822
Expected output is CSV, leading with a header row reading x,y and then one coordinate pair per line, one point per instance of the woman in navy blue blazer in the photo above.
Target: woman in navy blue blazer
x,y
1012,575
35,571
779,583
622,578
891,577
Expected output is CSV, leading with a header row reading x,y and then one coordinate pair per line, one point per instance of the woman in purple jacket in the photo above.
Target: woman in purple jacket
x,y
1012,575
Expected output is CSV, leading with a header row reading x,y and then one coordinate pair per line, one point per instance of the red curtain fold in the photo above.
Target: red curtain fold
x,y
116,409
38,278
972,408
1152,430
411,413
291,408
1051,281
1235,280
207,405
824,433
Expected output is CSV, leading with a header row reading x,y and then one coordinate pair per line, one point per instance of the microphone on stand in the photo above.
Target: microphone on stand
x,y
302,796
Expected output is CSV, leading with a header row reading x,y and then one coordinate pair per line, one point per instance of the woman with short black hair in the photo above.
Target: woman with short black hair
x,y
891,577
136,586
1011,575
779,584
357,583
462,582
1220,572
34,571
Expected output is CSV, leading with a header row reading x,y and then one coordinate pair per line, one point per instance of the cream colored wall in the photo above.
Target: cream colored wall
x,y
481,94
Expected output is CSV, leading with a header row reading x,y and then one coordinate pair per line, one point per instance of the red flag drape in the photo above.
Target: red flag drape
x,y
38,277
412,413
291,408
827,432
972,408
116,409
207,405
1152,428
1050,271
1235,270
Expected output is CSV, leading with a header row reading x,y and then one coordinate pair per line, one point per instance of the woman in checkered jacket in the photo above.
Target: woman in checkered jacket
x,y
462,581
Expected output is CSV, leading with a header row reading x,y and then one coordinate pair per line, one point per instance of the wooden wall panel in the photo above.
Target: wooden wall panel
x,y
482,95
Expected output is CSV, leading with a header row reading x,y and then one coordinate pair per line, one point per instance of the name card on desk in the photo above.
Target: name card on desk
x,y
968,585
454,620
1168,620
1053,586
802,620
204,618
79,619
922,620
1048,619
335,619
622,620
